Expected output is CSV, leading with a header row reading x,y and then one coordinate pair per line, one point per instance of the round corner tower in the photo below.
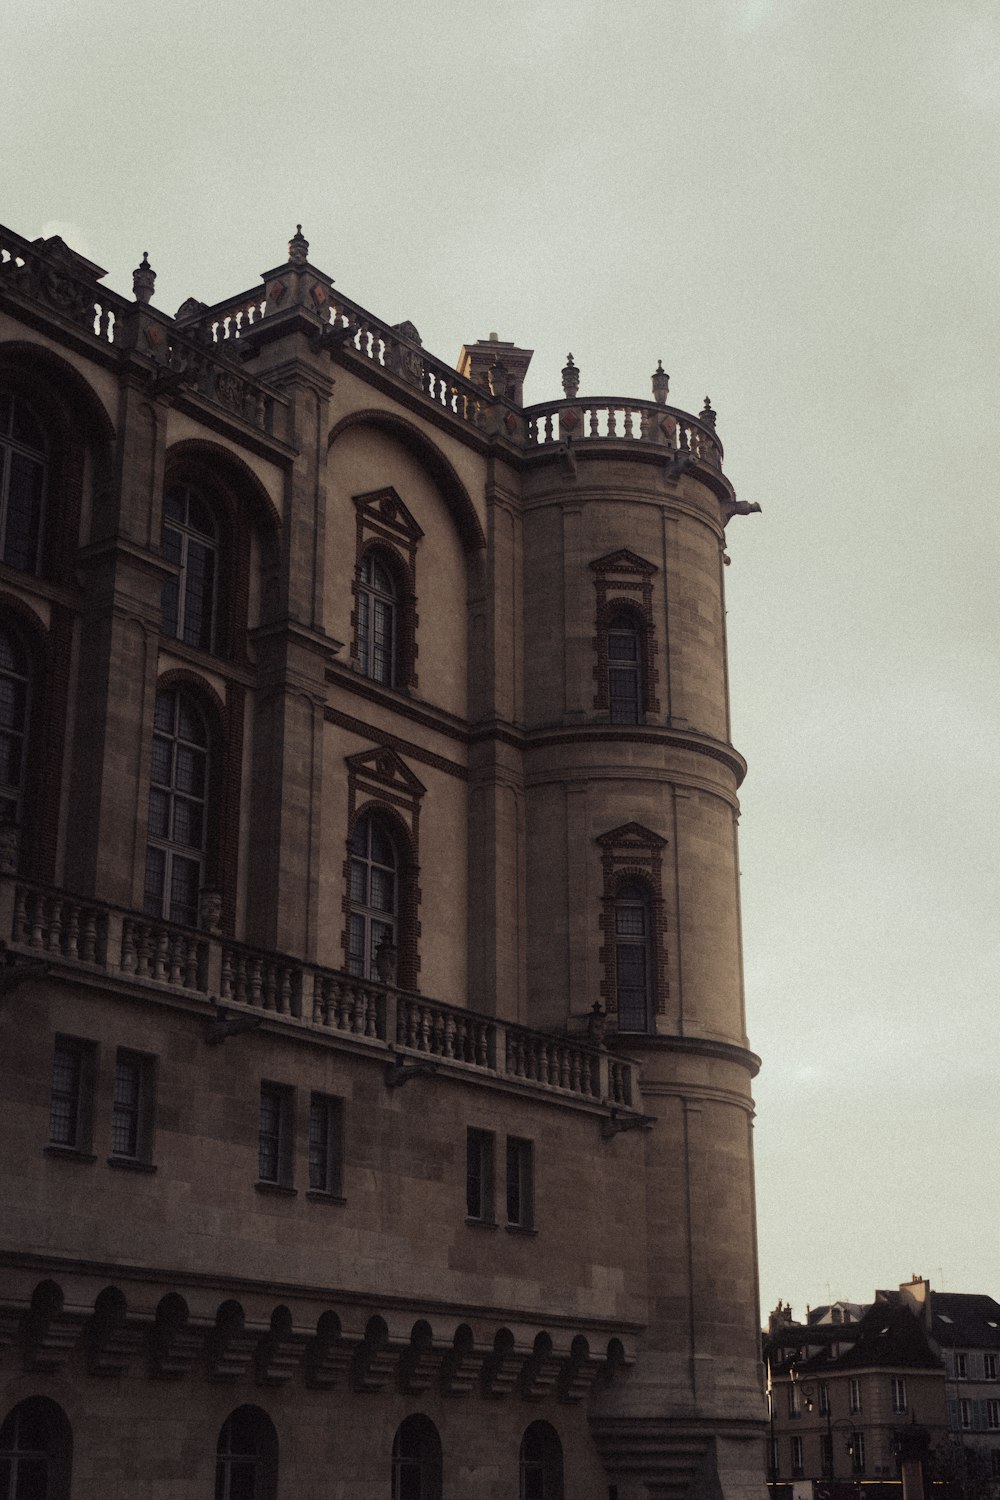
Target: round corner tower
x,y
633,925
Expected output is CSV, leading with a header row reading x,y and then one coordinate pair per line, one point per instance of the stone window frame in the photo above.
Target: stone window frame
x,y
385,527
623,582
225,781
380,782
633,855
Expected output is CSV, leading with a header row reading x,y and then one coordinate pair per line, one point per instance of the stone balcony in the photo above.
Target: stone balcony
x,y
51,932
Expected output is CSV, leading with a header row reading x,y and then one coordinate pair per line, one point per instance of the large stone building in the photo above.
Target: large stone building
x,y
378,1114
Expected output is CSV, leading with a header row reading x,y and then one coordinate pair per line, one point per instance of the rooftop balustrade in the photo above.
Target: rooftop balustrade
x,y
198,351
76,936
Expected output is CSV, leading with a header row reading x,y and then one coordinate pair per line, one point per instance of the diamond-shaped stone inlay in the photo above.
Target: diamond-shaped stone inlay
x,y
318,294
276,292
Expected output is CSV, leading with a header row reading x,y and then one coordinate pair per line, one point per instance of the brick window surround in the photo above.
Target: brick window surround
x,y
624,586
386,530
380,783
633,855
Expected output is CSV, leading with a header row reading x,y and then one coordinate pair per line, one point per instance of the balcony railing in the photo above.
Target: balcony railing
x,y
40,923
606,418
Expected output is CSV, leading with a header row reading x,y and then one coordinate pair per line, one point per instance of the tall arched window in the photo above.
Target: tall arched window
x,y
374,895
416,1460
191,542
246,1461
23,465
178,807
625,695
632,955
378,620
541,1463
14,705
36,1452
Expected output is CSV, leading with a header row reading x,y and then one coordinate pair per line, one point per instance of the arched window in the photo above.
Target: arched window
x,y
541,1463
625,692
246,1462
191,542
14,706
36,1452
374,895
178,807
378,620
632,953
23,466
416,1460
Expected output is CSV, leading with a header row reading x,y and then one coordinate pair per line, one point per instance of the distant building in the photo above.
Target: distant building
x,y
377,1116
842,1386
964,1329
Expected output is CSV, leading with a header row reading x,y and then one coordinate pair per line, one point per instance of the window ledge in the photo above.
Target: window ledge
x,y
277,1188
70,1153
315,1195
527,1229
130,1164
480,1223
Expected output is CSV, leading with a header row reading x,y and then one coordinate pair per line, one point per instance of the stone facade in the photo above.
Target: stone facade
x,y
378,1090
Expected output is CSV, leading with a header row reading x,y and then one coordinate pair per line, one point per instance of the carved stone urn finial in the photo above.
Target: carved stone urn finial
x,y
10,842
661,384
707,414
386,959
210,912
498,379
597,1024
570,378
143,280
298,247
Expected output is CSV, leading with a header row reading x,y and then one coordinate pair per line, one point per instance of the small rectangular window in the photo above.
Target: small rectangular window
x,y
898,1393
824,1399
797,1464
961,1367
995,1463
989,1366
275,1135
794,1399
993,1415
855,1395
479,1176
965,1413
520,1185
71,1103
858,1452
326,1121
132,1107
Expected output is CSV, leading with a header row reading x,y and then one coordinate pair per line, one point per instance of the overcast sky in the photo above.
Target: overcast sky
x,y
794,204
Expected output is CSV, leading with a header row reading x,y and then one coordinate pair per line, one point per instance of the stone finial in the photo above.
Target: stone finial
x,y
661,384
10,843
597,1024
210,912
570,378
298,247
386,960
707,414
143,280
497,376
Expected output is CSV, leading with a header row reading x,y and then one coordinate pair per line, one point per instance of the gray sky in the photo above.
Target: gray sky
x,y
794,204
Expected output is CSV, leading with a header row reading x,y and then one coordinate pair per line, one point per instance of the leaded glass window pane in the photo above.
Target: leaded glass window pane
x,y
177,809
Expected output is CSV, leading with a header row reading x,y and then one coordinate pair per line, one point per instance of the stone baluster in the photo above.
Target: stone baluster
x,y
255,994
88,936
174,972
71,931
54,935
161,961
12,910
190,977
36,919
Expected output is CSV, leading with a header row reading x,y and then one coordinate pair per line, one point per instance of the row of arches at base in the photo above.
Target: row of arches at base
x,y
36,1457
